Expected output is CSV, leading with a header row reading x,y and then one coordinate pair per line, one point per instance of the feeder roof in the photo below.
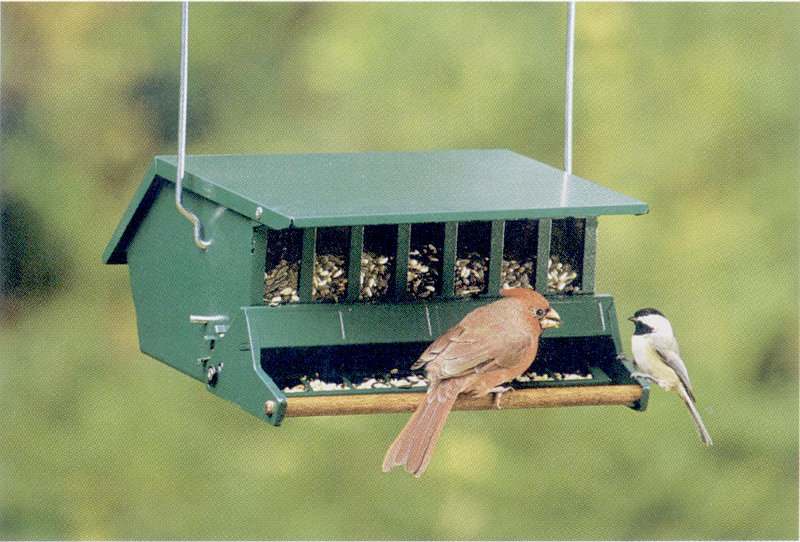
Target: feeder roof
x,y
318,190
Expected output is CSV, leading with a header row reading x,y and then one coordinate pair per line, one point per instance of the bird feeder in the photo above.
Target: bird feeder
x,y
328,275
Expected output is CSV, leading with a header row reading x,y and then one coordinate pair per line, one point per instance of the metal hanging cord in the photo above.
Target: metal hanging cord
x,y
198,240
569,88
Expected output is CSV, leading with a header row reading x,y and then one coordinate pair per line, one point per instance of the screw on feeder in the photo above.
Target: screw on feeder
x,y
212,374
269,407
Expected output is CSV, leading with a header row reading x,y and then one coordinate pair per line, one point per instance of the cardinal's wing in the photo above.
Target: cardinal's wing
x,y
473,346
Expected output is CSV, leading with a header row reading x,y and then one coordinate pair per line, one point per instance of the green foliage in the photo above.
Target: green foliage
x,y
690,107
34,264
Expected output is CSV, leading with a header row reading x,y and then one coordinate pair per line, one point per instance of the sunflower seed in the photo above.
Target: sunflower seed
x,y
423,275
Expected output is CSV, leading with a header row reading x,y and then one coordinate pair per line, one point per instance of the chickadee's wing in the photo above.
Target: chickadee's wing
x,y
667,349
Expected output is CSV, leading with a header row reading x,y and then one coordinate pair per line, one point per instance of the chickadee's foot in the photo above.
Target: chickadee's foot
x,y
660,383
623,357
498,392
646,376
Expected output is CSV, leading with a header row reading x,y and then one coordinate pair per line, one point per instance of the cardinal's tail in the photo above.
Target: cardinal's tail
x,y
414,445
701,429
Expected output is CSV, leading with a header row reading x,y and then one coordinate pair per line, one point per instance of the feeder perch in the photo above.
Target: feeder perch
x,y
328,275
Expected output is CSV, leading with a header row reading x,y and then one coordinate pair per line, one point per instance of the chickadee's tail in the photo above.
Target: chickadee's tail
x,y
704,436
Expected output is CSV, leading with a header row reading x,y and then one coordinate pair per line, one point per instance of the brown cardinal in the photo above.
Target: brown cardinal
x,y
492,345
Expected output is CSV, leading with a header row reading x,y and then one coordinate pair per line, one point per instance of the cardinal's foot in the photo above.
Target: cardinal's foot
x,y
498,394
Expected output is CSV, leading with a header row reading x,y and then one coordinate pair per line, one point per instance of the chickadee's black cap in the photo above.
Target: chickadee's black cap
x,y
646,312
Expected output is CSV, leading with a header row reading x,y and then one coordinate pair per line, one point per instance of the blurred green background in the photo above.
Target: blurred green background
x,y
693,108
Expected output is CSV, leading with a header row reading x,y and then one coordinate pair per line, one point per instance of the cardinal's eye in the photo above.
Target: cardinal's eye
x,y
539,312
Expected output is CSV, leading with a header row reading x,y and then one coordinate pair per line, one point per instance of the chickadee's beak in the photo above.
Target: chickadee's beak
x,y
632,319
551,319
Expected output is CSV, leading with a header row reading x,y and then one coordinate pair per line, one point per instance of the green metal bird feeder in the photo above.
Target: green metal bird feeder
x,y
328,274
323,277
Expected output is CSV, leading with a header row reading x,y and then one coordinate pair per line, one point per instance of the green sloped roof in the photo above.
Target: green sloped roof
x,y
317,190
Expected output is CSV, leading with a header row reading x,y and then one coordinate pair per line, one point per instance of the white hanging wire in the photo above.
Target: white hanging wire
x,y
565,184
198,240
569,88
2,278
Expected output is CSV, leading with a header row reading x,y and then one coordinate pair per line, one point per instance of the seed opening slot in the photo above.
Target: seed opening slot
x,y
378,262
424,273
331,264
519,253
472,258
565,267
282,266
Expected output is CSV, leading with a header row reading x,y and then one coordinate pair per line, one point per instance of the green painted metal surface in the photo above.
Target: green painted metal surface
x,y
589,255
401,260
317,190
241,380
354,262
542,249
202,311
116,251
172,280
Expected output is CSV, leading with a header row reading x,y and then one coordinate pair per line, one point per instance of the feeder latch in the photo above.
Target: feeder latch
x,y
220,327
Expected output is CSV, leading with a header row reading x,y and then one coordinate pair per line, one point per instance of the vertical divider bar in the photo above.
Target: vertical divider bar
x,y
258,265
449,259
306,286
401,261
589,255
543,254
354,263
496,258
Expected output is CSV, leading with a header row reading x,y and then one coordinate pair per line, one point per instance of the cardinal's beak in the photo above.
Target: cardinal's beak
x,y
551,319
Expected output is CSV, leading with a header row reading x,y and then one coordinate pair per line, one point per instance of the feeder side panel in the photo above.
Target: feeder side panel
x,y
172,279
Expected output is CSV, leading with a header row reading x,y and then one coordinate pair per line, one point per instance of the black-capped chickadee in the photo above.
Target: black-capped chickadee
x,y
656,355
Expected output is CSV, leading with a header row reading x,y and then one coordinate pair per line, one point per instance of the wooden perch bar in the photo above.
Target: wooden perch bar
x,y
377,403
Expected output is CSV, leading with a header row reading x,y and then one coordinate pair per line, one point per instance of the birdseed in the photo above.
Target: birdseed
x,y
573,376
471,276
517,274
423,271
376,275
560,276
